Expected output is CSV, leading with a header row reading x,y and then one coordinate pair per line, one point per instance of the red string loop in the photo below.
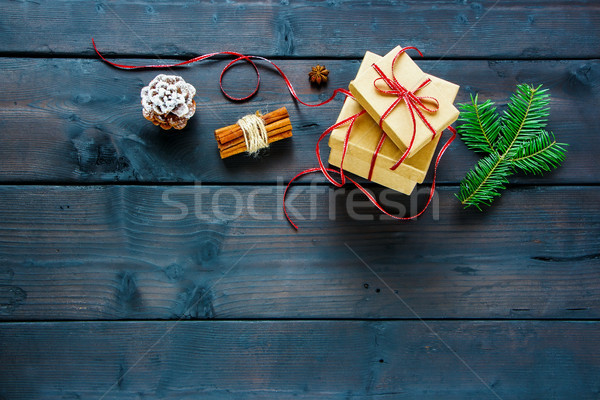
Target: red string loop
x,y
239,57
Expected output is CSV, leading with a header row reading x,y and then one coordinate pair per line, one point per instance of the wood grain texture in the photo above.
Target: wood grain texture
x,y
301,359
116,252
508,29
146,286
74,120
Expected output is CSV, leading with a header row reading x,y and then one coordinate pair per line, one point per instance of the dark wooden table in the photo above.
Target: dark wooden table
x,y
136,264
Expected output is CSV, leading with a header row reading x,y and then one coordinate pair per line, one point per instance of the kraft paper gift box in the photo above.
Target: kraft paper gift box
x,y
398,124
364,139
382,176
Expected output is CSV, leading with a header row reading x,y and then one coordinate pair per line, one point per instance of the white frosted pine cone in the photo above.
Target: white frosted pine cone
x,y
168,101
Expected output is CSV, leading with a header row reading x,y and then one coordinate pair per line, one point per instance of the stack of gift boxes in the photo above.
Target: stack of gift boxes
x,y
365,135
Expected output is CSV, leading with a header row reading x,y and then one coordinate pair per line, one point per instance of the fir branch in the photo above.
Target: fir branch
x,y
521,143
539,154
525,115
481,125
484,182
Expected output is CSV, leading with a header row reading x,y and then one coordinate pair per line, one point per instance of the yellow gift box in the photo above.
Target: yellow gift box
x,y
365,136
398,124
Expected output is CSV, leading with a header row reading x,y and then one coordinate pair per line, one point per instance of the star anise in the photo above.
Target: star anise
x,y
318,74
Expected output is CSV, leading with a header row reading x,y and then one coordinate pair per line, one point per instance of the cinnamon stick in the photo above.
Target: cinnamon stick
x,y
240,149
270,132
227,136
230,139
280,113
242,144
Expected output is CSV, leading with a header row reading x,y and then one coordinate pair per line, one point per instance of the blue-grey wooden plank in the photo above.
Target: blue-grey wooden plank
x,y
121,252
482,29
300,359
80,120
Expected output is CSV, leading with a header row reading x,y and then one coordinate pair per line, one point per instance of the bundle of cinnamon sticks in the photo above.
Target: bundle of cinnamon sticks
x,y
230,139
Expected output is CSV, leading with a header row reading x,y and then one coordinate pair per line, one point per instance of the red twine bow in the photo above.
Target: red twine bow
x,y
413,102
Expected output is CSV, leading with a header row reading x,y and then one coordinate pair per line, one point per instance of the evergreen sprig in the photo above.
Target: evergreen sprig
x,y
514,141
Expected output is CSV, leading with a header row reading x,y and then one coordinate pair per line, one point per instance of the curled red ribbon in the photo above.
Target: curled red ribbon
x,y
240,57
412,101
340,172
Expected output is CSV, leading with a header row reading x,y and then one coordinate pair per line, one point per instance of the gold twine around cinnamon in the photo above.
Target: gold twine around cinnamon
x,y
253,132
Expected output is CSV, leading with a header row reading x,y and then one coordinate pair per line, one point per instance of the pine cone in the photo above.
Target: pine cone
x,y
168,101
